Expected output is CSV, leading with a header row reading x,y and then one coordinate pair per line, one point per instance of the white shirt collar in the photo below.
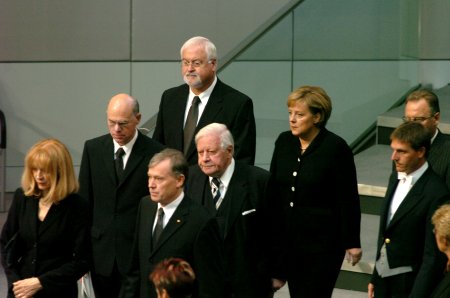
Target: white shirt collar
x,y
170,208
128,146
226,176
414,176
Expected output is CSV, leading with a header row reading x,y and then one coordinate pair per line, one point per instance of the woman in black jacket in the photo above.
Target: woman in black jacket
x,y
316,183
49,224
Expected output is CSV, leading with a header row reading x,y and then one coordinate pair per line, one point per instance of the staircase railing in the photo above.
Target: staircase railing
x,y
2,161
367,138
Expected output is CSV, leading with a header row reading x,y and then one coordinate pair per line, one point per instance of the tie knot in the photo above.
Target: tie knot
x,y
195,100
120,152
215,182
160,212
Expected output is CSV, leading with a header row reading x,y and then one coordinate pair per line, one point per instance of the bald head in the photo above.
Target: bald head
x,y
123,117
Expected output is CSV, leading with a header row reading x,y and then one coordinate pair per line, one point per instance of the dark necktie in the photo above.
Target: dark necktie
x,y
159,226
215,190
119,162
191,123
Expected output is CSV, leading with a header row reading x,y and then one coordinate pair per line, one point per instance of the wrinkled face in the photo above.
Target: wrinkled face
x,y
122,122
197,71
419,111
212,158
406,159
301,120
42,179
163,185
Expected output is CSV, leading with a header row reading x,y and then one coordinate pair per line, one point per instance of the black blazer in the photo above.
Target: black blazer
x,y
443,289
56,251
191,234
412,242
319,193
225,105
114,204
439,157
246,223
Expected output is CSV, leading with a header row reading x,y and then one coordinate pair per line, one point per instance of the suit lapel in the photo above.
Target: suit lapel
x,y
392,186
214,107
175,223
235,197
177,115
413,198
135,158
107,154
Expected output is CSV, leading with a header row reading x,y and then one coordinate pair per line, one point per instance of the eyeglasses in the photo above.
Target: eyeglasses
x,y
122,124
195,63
416,119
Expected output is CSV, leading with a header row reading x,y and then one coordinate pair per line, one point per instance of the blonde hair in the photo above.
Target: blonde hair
x,y
441,221
52,157
316,99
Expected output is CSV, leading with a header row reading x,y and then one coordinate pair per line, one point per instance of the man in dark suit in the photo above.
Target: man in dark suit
x,y
409,263
202,100
236,194
181,229
423,106
113,187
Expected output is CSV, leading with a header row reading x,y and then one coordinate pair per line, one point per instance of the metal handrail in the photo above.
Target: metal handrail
x,y
3,161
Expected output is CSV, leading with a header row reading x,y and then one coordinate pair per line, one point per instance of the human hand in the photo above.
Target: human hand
x,y
370,290
353,255
26,288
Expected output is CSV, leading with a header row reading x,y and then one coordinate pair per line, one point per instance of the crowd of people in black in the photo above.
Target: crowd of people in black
x,y
187,214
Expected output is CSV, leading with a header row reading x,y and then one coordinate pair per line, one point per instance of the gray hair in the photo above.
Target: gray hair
x,y
210,48
217,129
177,161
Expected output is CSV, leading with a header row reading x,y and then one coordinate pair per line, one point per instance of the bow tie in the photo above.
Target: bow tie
x,y
403,177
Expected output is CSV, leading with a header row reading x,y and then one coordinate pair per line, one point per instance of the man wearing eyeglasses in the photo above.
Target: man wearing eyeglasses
x,y
202,100
423,106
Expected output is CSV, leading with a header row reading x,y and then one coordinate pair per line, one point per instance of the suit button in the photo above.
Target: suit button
x,y
293,188
294,174
33,261
291,204
387,240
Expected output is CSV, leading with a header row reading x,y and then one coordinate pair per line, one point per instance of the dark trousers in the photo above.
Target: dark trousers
x,y
108,286
397,286
314,275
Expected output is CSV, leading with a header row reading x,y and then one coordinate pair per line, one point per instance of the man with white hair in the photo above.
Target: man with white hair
x,y
238,196
204,99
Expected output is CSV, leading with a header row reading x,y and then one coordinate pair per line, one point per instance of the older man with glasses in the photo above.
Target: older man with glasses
x,y
423,106
202,100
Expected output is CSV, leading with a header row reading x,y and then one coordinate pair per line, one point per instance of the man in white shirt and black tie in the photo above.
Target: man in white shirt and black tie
x,y
238,195
171,225
408,262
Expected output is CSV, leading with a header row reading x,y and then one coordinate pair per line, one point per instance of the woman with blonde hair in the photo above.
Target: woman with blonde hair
x,y
44,242
441,222
315,179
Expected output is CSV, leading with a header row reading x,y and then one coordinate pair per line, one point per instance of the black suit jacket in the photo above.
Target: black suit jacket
x,y
225,105
412,242
191,234
56,250
319,193
443,289
114,204
245,220
439,157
